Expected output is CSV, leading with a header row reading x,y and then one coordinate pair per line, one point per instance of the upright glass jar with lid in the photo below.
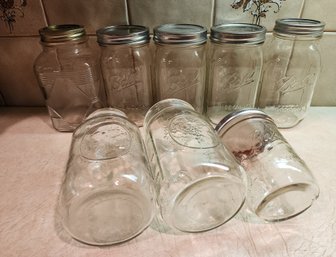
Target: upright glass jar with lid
x,y
69,75
125,61
291,69
180,63
235,63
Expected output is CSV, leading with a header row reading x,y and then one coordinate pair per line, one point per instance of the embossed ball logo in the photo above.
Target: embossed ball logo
x,y
191,131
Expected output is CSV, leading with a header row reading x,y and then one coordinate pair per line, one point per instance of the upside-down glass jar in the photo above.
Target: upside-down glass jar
x,y
292,66
199,184
126,66
180,63
234,68
69,76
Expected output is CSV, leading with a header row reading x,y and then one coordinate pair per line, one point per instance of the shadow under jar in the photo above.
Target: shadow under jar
x,y
280,185
69,76
234,68
108,194
199,184
126,66
292,65
180,63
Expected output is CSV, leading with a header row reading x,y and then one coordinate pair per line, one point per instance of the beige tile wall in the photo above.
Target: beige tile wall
x,y
225,13
19,41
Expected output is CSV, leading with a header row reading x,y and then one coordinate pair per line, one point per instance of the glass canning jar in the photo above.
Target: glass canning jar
x,y
280,185
126,67
180,63
69,76
108,194
199,184
292,66
234,68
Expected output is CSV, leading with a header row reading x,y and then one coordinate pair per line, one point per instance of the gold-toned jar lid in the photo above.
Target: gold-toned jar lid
x,y
58,34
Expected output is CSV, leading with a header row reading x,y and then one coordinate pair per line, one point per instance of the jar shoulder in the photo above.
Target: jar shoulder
x,y
65,59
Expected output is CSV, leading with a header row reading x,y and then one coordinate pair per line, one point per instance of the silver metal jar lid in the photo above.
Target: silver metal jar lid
x,y
123,34
299,27
238,33
180,34
235,117
58,34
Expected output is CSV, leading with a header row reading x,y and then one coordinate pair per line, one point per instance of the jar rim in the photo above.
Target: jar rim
x,y
123,34
299,27
235,117
238,33
180,34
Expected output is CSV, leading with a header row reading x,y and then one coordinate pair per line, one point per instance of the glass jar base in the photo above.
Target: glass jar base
x,y
108,217
207,204
287,202
285,117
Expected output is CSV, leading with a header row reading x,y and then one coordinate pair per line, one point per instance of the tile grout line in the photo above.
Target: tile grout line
x,y
213,13
302,8
44,13
127,12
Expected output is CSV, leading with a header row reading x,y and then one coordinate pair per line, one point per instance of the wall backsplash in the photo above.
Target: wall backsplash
x,y
21,20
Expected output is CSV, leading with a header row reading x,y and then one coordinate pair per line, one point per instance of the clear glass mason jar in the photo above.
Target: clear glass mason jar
x,y
126,66
108,194
180,63
234,68
199,184
292,66
280,185
69,76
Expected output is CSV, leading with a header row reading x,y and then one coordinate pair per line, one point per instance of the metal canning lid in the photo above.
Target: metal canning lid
x,y
238,116
58,34
238,33
123,34
299,27
180,34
